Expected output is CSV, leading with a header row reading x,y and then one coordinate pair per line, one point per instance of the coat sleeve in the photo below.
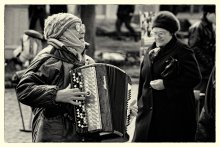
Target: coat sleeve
x,y
37,87
189,75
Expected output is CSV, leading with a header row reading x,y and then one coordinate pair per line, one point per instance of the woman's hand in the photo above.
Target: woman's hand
x,y
69,95
157,84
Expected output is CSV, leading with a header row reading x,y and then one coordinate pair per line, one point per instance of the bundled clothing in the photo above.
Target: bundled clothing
x,y
206,124
202,41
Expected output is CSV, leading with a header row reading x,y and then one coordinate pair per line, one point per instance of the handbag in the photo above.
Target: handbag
x,y
172,68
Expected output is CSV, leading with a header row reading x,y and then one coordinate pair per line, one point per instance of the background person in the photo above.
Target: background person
x,y
202,41
206,124
124,16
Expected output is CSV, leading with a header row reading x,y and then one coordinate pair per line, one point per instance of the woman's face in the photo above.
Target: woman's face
x,y
161,36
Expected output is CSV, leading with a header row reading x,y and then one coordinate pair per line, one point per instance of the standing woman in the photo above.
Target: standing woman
x,y
169,72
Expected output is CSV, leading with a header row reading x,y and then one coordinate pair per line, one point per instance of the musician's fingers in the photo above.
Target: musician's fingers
x,y
134,111
134,108
75,90
79,93
69,86
78,98
74,103
133,102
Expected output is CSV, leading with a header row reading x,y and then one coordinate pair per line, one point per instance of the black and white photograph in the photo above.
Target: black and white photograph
x,y
109,73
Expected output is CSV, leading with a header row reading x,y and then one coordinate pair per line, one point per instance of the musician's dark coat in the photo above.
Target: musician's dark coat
x,y
38,87
167,115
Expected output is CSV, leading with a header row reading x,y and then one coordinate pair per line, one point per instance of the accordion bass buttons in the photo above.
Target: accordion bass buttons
x,y
80,110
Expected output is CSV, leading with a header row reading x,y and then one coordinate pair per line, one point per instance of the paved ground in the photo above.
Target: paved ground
x,y
13,123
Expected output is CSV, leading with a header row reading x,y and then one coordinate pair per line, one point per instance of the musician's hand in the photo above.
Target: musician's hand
x,y
157,84
68,95
133,108
88,60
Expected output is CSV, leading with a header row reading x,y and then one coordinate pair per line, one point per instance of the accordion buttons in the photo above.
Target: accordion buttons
x,y
88,93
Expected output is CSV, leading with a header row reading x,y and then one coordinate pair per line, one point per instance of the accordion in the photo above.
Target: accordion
x,y
105,108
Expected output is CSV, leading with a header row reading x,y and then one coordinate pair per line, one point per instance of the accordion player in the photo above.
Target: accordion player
x,y
105,109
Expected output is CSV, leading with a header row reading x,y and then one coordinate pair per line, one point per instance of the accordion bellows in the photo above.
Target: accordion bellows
x,y
105,109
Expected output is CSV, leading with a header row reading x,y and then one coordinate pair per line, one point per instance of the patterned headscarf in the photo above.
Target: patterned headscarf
x,y
57,31
56,24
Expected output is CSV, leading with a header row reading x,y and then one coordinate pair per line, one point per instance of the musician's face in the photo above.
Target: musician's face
x,y
161,36
79,30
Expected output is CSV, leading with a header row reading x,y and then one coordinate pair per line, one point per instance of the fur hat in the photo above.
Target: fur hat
x,y
167,21
56,24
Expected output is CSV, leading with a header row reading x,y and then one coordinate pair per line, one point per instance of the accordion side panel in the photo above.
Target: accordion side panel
x,y
118,93
105,109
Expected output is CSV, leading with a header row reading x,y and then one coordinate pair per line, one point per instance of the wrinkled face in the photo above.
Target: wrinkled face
x,y
161,36
211,17
79,30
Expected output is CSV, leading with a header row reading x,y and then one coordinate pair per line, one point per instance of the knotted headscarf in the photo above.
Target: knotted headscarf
x,y
57,31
